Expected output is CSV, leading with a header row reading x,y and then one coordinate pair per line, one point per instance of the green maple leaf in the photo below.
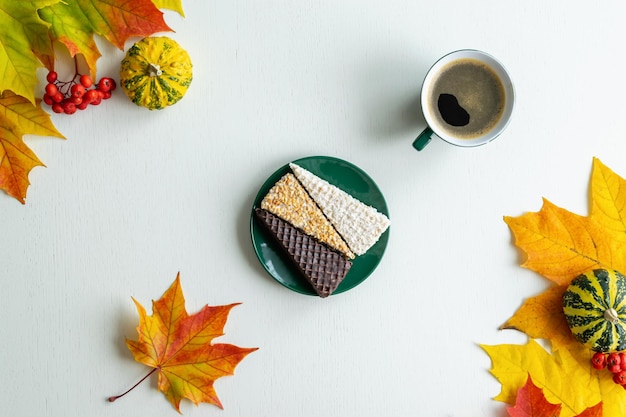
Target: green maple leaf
x,y
24,45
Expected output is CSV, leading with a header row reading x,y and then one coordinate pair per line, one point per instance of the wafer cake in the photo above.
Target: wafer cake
x,y
358,224
323,267
288,200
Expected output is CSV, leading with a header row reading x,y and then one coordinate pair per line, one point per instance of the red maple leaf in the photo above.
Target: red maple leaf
x,y
531,402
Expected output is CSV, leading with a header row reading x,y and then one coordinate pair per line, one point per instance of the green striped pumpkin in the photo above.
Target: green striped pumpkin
x,y
595,308
156,72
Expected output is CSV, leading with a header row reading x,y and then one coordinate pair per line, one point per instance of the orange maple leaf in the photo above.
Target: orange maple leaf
x,y
19,117
178,346
531,402
595,411
542,317
561,245
75,22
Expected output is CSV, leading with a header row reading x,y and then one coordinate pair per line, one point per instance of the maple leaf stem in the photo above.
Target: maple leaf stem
x,y
111,399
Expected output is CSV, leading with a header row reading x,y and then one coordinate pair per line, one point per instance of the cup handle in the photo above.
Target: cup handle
x,y
423,139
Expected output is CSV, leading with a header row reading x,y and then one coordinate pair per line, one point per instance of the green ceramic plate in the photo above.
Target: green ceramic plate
x,y
352,180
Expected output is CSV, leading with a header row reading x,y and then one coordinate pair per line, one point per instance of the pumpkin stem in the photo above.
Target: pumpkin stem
x,y
154,70
611,315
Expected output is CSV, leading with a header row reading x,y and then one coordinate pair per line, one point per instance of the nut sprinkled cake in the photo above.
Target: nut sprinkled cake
x,y
288,200
360,225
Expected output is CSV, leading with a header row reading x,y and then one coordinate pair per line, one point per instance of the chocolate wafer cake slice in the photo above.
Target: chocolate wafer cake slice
x,y
323,267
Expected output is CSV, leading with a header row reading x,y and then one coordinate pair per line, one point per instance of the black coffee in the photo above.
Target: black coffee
x,y
466,98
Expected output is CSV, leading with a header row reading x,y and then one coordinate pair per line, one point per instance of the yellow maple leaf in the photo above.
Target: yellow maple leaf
x,y
531,402
608,203
561,377
174,5
560,245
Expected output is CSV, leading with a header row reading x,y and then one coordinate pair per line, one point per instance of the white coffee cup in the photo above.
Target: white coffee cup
x,y
483,99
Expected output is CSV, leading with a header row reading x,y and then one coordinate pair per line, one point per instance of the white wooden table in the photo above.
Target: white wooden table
x,y
133,197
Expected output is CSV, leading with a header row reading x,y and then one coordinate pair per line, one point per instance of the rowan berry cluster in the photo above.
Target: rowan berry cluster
x,y
78,93
615,362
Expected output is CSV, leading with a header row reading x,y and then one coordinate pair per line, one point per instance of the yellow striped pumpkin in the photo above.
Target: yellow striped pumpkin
x,y
156,72
595,309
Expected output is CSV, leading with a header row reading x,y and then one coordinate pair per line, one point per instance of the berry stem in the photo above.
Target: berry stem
x,y
75,65
111,399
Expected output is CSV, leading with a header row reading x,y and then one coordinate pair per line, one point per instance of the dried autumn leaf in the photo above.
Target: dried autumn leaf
x,y
24,43
542,317
174,5
560,245
75,22
178,346
27,32
562,378
595,411
531,402
19,117
608,202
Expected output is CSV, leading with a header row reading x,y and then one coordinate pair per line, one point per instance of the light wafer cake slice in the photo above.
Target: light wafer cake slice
x,y
288,200
360,225
323,267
